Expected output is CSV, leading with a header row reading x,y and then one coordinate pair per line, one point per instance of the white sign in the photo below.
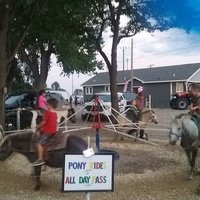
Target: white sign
x,y
94,173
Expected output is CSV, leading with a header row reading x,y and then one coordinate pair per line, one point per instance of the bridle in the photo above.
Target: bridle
x,y
152,116
175,134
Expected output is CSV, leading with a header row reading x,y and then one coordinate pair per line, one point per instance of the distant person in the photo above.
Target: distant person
x,y
70,101
76,101
46,129
41,100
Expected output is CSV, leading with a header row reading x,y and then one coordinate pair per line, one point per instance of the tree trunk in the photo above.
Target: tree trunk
x,y
113,69
44,68
113,79
3,67
113,87
11,74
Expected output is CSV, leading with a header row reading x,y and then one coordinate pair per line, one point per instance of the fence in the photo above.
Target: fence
x,y
12,119
148,102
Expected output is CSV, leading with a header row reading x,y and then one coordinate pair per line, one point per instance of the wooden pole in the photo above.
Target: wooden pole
x,y
123,58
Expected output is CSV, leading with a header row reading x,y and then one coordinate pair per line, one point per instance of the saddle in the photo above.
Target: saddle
x,y
57,141
196,120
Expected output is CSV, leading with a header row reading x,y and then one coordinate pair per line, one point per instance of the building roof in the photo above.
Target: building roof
x,y
149,75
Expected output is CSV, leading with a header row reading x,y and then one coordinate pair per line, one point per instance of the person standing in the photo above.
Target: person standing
x,y
70,101
76,100
46,129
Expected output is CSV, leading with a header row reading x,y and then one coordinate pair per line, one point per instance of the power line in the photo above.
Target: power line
x,y
166,52
159,39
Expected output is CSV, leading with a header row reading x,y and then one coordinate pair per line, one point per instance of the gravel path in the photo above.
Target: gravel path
x,y
143,172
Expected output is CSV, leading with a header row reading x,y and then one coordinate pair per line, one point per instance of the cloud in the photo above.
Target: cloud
x,y
170,47
173,41
174,46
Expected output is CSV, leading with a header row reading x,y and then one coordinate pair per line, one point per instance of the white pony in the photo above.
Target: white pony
x,y
184,127
62,115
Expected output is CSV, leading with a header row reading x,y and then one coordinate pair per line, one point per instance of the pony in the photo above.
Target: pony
x,y
183,126
30,118
62,114
148,116
22,143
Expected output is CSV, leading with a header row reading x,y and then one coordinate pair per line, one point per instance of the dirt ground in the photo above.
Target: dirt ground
x,y
143,172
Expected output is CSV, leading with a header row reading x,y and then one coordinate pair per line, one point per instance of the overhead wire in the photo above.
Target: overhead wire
x,y
191,45
166,52
159,39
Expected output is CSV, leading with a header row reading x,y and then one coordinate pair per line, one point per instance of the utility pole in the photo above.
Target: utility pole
x,y
131,64
123,58
127,63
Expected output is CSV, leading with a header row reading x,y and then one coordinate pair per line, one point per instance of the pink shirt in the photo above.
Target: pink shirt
x,y
42,102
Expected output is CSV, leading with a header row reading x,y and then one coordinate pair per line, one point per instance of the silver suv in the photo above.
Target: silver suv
x,y
105,105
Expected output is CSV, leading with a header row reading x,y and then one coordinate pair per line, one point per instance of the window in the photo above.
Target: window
x,y
179,87
107,88
89,90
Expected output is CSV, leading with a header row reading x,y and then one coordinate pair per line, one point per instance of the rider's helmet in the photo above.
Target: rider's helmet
x,y
140,90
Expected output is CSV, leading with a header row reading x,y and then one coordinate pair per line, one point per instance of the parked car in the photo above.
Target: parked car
x,y
79,99
28,100
105,105
180,100
63,93
25,100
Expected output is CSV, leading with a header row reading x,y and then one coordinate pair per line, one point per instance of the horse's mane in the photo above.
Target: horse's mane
x,y
180,116
147,111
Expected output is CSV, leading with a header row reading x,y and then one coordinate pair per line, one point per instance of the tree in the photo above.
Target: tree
x,y
58,36
37,59
19,77
106,16
55,86
16,18
20,28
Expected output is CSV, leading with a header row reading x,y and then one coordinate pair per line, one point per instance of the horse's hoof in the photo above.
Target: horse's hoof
x,y
190,177
197,171
198,190
61,190
37,188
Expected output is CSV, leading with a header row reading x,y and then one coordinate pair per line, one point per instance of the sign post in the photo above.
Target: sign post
x,y
88,174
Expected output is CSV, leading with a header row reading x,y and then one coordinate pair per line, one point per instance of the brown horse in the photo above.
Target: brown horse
x,y
22,143
148,116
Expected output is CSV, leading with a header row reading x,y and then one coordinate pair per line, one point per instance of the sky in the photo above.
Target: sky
x,y
172,47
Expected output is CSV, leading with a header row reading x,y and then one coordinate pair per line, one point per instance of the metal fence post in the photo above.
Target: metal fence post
x,y
18,118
